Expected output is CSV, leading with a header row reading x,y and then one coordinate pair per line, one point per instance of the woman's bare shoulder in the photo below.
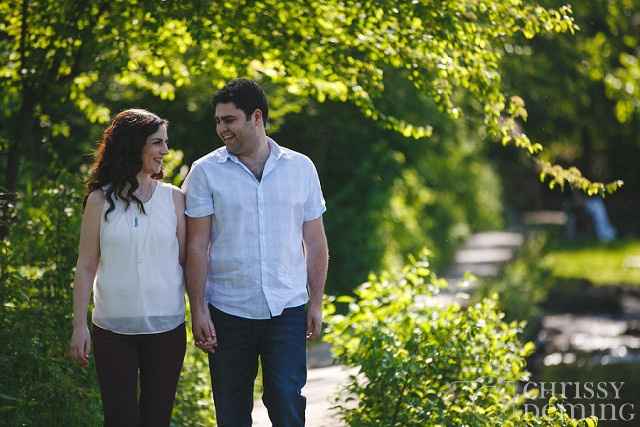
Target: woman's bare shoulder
x,y
176,192
96,197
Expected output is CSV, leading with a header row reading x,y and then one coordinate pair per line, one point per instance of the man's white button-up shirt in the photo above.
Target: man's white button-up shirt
x,y
257,266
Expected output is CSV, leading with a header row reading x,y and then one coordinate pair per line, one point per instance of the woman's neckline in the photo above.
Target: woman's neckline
x,y
156,183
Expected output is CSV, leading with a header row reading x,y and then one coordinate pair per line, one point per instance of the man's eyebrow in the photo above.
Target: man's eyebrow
x,y
228,116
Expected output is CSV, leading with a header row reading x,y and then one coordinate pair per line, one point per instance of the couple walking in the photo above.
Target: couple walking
x,y
246,230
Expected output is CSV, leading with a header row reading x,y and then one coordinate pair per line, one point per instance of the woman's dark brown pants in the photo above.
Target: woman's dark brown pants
x,y
152,360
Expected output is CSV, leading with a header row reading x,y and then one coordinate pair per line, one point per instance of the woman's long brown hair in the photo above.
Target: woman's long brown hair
x,y
118,158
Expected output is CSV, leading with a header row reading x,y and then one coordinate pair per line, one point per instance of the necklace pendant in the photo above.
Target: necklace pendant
x,y
135,221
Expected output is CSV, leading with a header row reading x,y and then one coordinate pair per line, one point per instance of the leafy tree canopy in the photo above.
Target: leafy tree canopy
x,y
450,51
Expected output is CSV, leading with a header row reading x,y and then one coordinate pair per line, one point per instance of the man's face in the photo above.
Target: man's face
x,y
238,134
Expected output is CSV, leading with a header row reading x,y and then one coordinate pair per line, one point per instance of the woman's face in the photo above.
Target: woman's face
x,y
155,148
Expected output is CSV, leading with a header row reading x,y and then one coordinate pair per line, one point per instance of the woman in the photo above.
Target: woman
x,y
132,251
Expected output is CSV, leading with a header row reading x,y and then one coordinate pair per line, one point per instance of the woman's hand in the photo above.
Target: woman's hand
x,y
204,333
80,345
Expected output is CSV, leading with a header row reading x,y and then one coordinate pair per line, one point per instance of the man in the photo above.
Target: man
x,y
255,238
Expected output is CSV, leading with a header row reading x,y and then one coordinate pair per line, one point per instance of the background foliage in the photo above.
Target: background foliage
x,y
582,99
39,385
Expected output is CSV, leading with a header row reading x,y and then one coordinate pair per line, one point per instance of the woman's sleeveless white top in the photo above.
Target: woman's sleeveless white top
x,y
139,286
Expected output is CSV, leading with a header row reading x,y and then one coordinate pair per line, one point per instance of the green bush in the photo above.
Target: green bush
x,y
421,364
40,386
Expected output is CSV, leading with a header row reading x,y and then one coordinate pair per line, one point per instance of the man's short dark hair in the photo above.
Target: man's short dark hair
x,y
246,94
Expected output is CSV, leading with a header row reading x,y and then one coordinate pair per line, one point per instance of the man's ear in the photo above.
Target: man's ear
x,y
257,117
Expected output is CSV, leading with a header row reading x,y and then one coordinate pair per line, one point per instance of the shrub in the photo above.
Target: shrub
x,y
40,386
421,364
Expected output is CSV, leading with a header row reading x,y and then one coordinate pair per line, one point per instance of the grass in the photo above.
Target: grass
x,y
598,263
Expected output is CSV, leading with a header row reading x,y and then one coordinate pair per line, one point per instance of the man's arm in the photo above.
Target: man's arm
x,y
317,253
198,237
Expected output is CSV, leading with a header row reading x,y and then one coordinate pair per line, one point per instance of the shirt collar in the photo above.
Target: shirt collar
x,y
276,151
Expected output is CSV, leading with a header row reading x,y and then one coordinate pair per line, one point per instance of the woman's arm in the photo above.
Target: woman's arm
x,y
181,230
86,267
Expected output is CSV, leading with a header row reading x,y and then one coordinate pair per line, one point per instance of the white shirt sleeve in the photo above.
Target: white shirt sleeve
x,y
199,199
315,205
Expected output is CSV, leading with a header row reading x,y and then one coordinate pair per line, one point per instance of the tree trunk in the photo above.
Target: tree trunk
x,y
20,135
13,159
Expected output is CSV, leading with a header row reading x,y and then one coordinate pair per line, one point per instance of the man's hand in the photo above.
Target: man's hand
x,y
204,333
314,321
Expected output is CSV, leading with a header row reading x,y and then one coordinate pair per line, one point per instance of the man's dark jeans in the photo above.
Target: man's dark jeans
x,y
281,345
